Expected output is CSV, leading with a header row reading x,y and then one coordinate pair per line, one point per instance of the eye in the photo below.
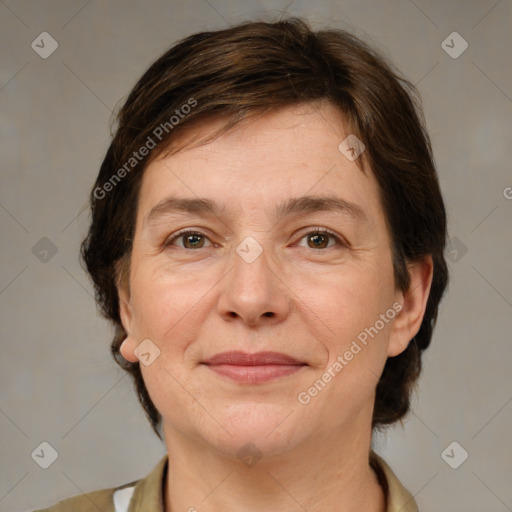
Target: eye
x,y
319,238
191,239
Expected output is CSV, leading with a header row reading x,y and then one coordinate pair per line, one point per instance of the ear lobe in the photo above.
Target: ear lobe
x,y
125,312
414,302
127,349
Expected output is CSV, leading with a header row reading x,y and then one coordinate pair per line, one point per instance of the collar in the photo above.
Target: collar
x,y
399,499
148,493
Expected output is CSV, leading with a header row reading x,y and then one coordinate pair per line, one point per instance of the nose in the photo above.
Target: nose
x,y
254,292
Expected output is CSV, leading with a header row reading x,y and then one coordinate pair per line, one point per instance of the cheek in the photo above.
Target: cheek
x,y
356,346
349,298
348,309
164,301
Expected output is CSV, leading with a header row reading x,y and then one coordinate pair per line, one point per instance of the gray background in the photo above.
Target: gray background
x,y
59,383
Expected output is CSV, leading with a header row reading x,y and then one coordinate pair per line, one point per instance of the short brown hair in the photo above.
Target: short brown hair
x,y
247,70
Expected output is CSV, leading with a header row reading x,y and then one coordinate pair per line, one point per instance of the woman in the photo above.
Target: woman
x,y
267,237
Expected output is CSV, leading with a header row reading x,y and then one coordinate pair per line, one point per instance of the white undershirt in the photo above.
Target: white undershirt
x,y
122,498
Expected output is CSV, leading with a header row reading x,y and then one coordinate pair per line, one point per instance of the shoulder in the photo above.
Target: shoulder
x,y
143,494
102,499
398,498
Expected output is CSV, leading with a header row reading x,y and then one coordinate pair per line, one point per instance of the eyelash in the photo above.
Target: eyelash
x,y
314,231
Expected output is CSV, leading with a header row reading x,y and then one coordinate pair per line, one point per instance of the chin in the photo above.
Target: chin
x,y
257,428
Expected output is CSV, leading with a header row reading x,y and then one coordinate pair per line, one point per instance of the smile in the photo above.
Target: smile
x,y
255,374
253,368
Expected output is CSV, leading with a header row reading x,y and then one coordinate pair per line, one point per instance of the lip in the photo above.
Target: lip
x,y
239,358
253,368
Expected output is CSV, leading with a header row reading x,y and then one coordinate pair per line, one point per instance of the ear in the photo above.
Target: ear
x,y
414,302
125,312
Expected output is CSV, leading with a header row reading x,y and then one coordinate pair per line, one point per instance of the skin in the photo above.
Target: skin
x,y
196,298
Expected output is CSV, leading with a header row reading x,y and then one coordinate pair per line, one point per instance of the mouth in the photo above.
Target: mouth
x,y
253,368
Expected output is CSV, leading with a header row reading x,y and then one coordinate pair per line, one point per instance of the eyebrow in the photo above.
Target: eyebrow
x,y
293,206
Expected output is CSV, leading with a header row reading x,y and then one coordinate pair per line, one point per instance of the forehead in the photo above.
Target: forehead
x,y
291,152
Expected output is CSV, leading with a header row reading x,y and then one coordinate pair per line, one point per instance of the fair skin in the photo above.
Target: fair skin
x,y
306,296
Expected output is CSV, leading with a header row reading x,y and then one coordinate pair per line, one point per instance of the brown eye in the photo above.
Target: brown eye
x,y
318,240
193,241
190,240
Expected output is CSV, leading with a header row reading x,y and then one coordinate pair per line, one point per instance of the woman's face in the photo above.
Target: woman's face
x,y
259,274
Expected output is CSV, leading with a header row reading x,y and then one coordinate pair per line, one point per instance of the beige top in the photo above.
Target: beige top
x,y
146,494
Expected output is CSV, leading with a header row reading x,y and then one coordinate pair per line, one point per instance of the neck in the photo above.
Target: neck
x,y
325,473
